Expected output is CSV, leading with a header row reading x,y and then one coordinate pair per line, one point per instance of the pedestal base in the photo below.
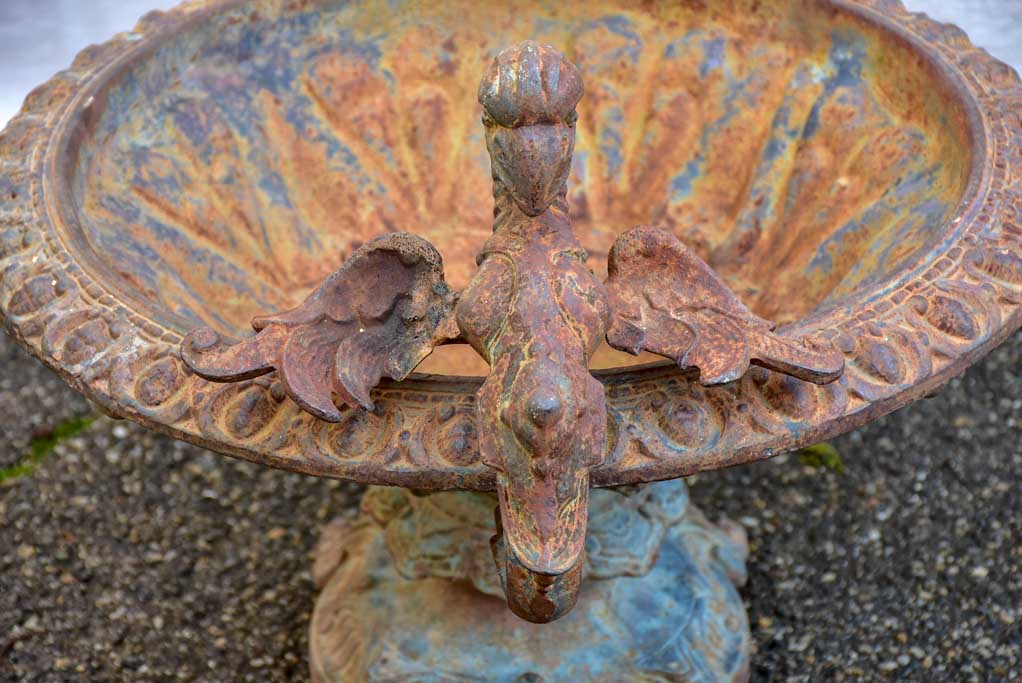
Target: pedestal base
x,y
680,619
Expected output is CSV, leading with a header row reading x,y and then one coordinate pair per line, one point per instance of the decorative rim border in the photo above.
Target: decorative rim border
x,y
911,336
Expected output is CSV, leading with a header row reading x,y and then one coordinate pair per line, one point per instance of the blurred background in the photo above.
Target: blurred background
x,y
40,37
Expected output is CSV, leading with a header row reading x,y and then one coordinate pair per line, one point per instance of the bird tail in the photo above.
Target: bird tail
x,y
806,359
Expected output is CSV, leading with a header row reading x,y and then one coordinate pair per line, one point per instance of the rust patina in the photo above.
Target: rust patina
x,y
535,312
849,170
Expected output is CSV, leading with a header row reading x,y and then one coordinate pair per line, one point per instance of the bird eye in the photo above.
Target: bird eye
x,y
571,118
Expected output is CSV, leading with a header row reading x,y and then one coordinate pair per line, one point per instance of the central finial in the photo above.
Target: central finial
x,y
529,95
530,84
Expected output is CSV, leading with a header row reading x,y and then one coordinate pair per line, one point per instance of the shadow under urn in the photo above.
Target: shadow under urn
x,y
849,171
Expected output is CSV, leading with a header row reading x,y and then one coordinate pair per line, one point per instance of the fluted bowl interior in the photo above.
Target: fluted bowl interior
x,y
803,149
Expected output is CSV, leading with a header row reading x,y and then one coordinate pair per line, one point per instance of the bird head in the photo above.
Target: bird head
x,y
529,96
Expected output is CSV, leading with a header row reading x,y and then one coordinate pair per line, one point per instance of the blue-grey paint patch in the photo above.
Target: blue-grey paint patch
x,y
735,90
680,46
682,620
713,56
580,166
847,54
901,214
681,184
611,141
776,162
620,25
275,189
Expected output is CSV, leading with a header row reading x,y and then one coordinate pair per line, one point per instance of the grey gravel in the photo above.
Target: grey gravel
x,y
907,567
127,556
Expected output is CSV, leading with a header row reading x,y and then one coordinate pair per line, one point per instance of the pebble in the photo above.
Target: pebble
x,y
801,644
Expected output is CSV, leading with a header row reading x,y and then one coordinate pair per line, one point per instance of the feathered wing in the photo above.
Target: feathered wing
x,y
379,315
666,300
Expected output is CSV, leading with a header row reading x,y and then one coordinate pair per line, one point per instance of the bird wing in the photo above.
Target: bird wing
x,y
379,315
666,300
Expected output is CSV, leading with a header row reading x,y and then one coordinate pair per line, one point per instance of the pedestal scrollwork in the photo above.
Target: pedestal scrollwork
x,y
409,593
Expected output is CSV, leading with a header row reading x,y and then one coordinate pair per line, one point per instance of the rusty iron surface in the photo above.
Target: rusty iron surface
x,y
796,149
536,315
665,300
849,169
408,593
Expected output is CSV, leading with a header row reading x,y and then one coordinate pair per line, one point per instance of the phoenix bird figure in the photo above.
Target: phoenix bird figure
x,y
535,312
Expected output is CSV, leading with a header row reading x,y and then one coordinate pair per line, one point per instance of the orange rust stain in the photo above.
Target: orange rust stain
x,y
242,165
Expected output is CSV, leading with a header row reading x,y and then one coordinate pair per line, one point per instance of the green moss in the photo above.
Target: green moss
x,y
822,455
42,446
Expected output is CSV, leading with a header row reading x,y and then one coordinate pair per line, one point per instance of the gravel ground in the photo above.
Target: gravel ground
x,y
128,556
